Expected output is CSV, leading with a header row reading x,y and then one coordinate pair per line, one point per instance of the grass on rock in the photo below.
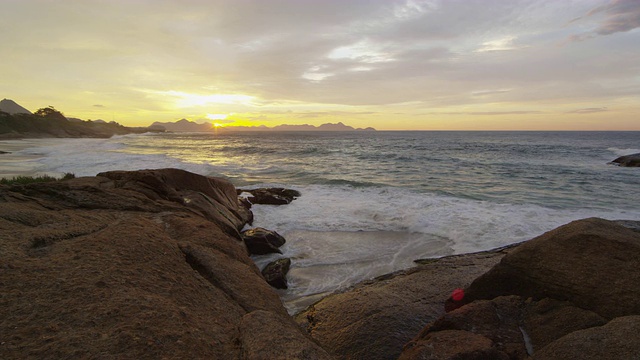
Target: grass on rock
x,y
23,180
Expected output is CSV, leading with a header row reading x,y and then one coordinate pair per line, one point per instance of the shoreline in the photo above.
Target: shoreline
x,y
152,263
13,163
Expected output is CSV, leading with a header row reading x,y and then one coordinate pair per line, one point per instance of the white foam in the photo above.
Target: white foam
x,y
623,152
87,157
338,236
470,224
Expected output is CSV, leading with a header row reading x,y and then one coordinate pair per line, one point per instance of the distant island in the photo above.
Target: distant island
x,y
185,125
17,122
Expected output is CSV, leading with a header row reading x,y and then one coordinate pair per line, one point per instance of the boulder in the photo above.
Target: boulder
x,y
618,339
276,273
376,318
146,264
271,196
496,320
547,320
453,345
515,327
632,160
592,263
261,241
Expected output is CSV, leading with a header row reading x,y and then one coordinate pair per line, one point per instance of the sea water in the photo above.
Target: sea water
x,y
372,202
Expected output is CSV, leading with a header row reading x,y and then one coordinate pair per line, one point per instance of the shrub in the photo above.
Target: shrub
x,y
22,180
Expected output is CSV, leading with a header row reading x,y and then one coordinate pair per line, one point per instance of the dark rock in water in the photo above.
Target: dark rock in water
x,y
632,160
261,241
271,196
5,152
616,340
593,263
276,273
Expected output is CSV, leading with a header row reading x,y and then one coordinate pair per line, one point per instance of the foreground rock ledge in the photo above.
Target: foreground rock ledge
x,y
375,319
144,264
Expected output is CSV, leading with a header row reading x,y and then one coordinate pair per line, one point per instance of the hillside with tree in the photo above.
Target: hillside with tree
x,y
17,122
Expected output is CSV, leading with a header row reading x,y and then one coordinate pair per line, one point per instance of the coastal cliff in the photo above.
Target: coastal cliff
x,y
151,264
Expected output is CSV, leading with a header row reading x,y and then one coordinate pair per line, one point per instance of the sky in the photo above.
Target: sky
x,y
389,64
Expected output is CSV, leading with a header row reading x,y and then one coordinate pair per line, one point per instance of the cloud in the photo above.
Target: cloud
x,y
489,113
588,110
616,16
524,112
489,92
501,44
250,56
317,114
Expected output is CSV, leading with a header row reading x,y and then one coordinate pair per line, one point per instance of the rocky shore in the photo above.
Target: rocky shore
x,y
153,264
132,265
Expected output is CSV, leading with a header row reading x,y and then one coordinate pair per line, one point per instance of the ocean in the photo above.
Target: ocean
x,y
372,202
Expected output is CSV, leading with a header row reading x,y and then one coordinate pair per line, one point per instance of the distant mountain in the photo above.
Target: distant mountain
x,y
340,127
11,107
183,125
305,127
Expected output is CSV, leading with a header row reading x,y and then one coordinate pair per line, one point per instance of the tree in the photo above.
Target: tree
x,y
50,112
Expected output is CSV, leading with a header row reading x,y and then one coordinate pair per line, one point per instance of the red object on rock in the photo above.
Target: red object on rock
x,y
457,295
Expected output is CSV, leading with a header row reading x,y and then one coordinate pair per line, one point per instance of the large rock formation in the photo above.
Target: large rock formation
x,y
593,263
550,298
145,264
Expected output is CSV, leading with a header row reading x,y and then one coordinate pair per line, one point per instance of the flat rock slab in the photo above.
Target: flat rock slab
x,y
375,319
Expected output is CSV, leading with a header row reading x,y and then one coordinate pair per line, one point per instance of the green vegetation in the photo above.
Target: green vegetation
x,y
23,180
50,112
49,122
